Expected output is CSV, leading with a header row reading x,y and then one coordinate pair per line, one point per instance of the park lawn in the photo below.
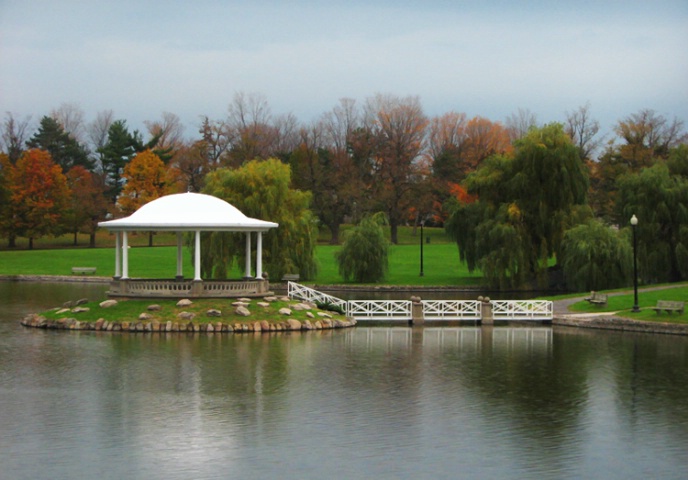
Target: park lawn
x,y
646,300
441,266
440,261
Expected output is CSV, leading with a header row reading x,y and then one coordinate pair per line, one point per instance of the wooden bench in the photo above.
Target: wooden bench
x,y
597,298
84,270
290,277
669,307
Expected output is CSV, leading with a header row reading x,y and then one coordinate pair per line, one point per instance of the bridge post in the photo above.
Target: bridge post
x,y
486,311
417,317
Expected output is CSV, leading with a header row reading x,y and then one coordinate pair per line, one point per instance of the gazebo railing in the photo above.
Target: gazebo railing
x,y
140,287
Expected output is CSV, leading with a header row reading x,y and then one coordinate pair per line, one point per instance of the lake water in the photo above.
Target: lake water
x,y
396,403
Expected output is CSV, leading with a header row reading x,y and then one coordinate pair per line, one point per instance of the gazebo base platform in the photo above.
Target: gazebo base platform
x,y
152,288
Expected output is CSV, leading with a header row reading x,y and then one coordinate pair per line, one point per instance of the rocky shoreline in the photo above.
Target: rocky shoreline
x,y
289,325
613,322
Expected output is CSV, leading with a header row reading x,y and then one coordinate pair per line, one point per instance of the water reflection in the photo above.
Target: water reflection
x,y
382,402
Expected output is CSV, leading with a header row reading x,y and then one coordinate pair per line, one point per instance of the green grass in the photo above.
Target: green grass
x,y
646,300
441,265
129,311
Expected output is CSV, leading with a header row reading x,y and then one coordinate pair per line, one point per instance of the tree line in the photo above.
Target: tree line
x,y
517,195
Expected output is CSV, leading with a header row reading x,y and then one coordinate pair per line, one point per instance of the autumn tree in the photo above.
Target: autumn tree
x,y
70,117
322,165
193,162
583,131
446,140
216,138
262,189
15,132
519,123
39,194
7,226
646,139
397,126
146,179
484,138
88,202
97,134
65,150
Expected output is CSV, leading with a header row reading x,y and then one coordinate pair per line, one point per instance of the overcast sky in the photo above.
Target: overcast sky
x,y
490,58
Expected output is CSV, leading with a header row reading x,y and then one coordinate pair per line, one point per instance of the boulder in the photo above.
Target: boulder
x,y
270,299
81,301
265,325
243,311
263,304
80,309
145,316
284,311
184,302
293,324
186,315
154,308
324,315
245,300
108,303
310,315
257,327
213,313
239,303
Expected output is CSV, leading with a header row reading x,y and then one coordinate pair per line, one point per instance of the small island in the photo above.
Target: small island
x,y
239,315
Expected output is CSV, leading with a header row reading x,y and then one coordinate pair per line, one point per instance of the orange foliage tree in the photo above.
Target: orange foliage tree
x,y
147,178
88,202
39,195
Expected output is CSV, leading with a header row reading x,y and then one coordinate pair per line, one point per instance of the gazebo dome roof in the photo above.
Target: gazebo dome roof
x,y
188,211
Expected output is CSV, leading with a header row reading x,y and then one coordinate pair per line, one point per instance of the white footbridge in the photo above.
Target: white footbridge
x,y
430,310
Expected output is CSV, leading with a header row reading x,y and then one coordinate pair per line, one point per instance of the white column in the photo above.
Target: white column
x,y
125,255
259,256
247,272
180,269
197,256
118,255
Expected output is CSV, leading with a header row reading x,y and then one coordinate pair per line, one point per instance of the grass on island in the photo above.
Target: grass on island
x,y
129,311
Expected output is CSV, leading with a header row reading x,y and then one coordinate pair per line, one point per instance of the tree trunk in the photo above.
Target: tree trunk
x,y
334,230
12,241
92,240
393,228
76,241
30,243
150,239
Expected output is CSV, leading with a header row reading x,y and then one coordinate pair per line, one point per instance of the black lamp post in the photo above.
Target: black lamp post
x,y
634,226
421,248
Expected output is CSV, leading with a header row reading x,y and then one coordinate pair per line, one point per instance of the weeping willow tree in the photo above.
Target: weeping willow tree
x,y
658,196
363,257
261,189
525,204
596,257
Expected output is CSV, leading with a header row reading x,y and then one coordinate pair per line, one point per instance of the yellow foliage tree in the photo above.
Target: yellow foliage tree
x,y
147,178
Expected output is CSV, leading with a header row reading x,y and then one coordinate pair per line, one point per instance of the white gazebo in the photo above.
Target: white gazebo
x,y
188,212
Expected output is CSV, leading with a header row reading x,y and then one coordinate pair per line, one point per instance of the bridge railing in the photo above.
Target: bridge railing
x,y
296,290
434,310
522,309
380,309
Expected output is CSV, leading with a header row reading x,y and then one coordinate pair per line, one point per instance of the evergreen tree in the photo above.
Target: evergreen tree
x,y
120,148
64,150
